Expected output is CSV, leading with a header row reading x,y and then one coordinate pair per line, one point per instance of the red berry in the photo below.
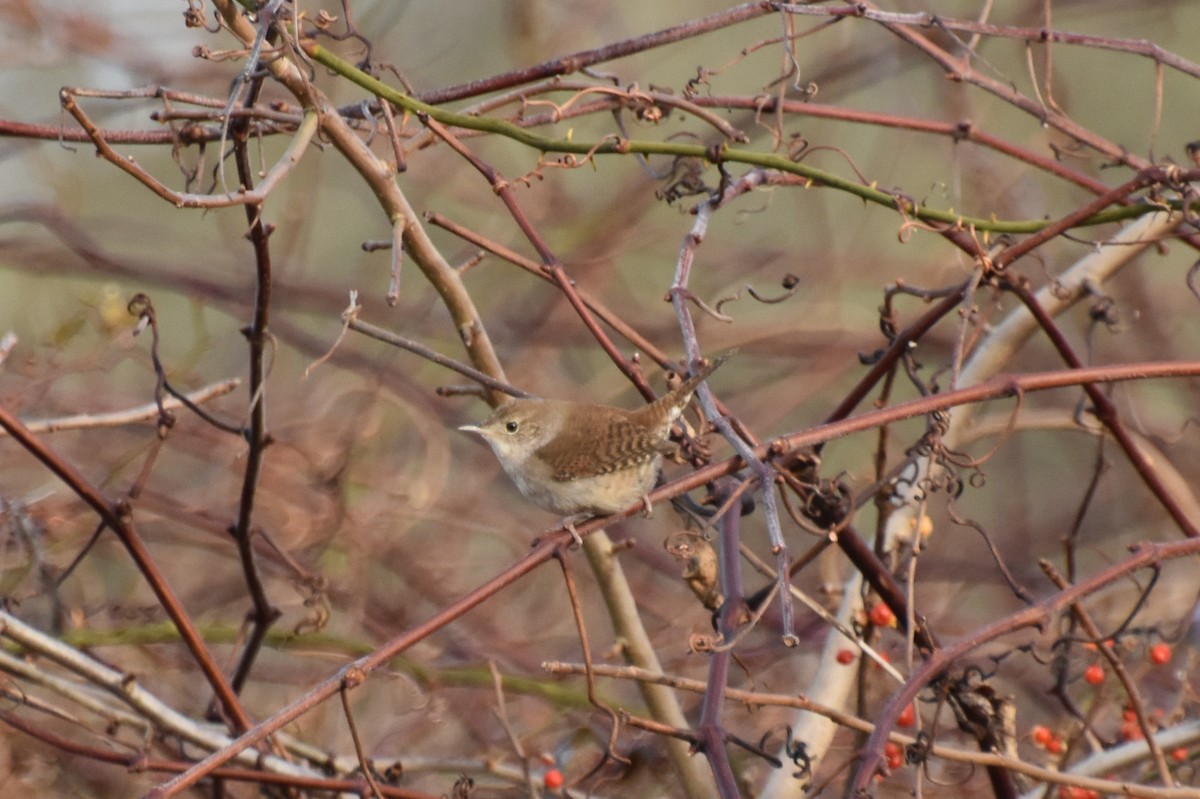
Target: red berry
x,y
881,615
1131,730
1076,792
845,656
553,779
1094,674
1180,754
1041,735
1160,654
906,717
894,755
1055,745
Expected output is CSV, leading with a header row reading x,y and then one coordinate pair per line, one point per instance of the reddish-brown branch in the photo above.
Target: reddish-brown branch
x,y
1043,35
997,387
961,70
550,262
564,65
542,552
1150,176
192,134
117,518
1106,412
624,329
964,130
887,360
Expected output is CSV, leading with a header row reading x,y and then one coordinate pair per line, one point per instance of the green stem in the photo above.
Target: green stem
x,y
781,163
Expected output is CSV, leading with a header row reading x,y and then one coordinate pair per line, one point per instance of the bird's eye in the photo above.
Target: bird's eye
x,y
511,427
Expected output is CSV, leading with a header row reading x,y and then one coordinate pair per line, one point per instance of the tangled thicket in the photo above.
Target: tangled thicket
x,y
940,536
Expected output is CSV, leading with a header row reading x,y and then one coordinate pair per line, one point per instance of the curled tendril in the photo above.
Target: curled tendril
x,y
790,283
1190,203
918,751
797,752
702,644
797,147
704,307
686,179
1191,279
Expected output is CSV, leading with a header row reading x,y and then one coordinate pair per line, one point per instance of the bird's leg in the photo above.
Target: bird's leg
x,y
569,523
576,539
647,508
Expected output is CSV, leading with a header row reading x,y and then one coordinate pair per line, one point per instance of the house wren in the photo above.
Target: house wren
x,y
581,459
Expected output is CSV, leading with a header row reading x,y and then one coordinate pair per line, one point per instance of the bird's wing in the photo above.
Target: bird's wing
x,y
576,453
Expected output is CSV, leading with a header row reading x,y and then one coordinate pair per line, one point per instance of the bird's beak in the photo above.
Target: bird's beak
x,y
471,428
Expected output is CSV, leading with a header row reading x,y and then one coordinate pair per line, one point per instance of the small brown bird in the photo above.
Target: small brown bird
x,y
580,459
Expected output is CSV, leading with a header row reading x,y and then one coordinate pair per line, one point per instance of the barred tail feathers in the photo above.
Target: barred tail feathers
x,y
672,403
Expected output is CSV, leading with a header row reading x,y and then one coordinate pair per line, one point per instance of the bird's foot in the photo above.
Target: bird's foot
x,y
569,523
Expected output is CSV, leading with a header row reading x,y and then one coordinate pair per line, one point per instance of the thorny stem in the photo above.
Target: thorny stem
x,y
782,163
257,335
